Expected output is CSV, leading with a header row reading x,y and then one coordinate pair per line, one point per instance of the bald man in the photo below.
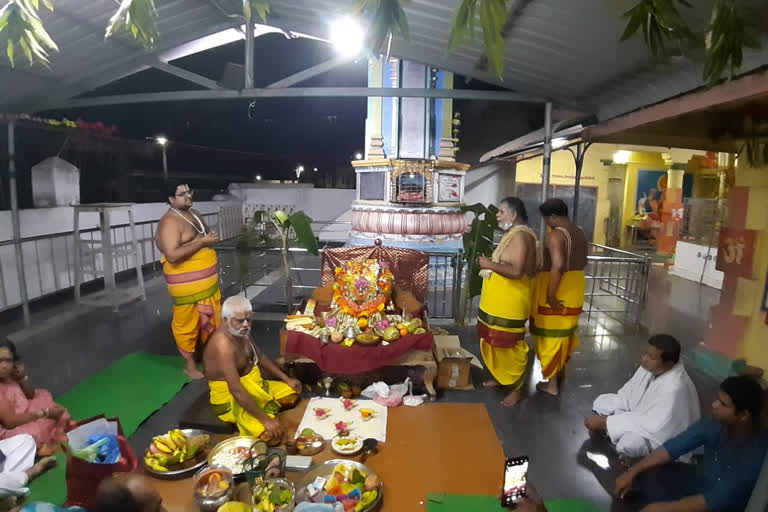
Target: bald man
x,y
127,492
239,393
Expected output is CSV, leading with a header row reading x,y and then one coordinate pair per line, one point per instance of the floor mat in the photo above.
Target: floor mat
x,y
131,389
437,502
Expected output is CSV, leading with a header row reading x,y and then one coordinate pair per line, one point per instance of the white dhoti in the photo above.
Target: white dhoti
x,y
648,410
19,454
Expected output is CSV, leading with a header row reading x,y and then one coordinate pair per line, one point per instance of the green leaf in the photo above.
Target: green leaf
x,y
11,52
302,226
477,208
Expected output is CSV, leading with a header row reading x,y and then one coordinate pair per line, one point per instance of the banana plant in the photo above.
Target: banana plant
x,y
22,32
280,225
388,18
731,29
138,18
493,16
478,241
661,23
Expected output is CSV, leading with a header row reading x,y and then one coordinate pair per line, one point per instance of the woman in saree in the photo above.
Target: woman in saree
x,y
25,410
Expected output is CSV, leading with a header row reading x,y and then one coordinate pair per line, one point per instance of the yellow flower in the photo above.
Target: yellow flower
x,y
362,322
381,307
338,270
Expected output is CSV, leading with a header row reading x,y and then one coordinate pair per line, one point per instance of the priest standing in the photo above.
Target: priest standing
x,y
658,403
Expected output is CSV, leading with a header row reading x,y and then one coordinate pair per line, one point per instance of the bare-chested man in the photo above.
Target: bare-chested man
x,y
559,294
239,393
191,272
505,302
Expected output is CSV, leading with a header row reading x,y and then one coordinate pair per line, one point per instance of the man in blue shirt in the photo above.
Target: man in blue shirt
x,y
734,449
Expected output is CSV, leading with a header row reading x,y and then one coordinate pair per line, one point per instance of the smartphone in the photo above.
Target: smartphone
x,y
515,480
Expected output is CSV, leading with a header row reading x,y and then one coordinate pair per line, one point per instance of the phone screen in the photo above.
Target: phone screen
x,y
515,480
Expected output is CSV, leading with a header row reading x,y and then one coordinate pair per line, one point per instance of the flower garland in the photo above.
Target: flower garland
x,y
362,289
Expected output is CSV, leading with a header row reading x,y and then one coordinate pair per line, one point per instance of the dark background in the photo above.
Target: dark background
x,y
213,143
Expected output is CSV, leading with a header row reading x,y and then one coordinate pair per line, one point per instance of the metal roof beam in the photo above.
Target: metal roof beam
x,y
308,73
296,92
186,75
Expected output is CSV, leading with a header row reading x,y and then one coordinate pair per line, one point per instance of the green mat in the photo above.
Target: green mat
x,y
437,502
131,389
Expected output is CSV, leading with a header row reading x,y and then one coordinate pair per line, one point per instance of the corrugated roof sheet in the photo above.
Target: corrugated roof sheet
x,y
565,50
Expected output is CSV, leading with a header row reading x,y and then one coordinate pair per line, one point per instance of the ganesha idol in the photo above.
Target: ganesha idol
x,y
361,305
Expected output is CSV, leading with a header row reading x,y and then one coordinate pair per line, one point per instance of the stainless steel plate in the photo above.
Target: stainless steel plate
x,y
180,473
233,442
325,470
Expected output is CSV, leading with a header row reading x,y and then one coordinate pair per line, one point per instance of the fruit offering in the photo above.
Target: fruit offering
x,y
348,404
391,334
350,487
175,450
273,496
213,483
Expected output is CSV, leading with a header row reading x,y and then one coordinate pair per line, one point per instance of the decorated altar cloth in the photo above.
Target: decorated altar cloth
x,y
411,270
340,360
376,427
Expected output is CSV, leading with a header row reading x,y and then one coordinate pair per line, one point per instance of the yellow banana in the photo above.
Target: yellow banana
x,y
154,464
179,438
163,444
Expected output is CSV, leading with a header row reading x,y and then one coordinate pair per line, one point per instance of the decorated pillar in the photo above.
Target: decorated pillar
x,y
410,189
671,212
739,323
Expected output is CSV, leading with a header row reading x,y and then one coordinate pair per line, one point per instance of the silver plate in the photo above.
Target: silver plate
x,y
325,470
233,442
179,473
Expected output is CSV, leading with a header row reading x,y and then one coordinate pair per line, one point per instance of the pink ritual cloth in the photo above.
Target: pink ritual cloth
x,y
45,430
337,359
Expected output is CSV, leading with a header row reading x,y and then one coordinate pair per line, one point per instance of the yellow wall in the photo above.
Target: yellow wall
x,y
563,172
596,174
755,344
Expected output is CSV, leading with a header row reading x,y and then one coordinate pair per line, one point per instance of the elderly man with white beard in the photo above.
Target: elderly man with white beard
x,y
233,364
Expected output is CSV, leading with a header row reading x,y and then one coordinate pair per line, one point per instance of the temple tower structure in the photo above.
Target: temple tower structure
x,y
410,188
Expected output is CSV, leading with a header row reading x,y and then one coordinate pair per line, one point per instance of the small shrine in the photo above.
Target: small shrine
x,y
410,189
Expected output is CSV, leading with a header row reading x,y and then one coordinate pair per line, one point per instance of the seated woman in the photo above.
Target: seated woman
x,y
24,410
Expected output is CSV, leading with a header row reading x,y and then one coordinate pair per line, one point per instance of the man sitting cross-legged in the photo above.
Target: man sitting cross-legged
x,y
734,444
239,394
656,404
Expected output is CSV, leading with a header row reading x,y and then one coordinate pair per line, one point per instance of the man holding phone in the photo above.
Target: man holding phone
x,y
734,450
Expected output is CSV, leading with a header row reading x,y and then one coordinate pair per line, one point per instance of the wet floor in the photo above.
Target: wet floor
x,y
549,430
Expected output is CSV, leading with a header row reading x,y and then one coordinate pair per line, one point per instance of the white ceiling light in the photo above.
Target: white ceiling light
x,y
348,36
621,157
559,142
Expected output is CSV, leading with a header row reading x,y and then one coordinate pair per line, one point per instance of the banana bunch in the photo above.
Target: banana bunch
x,y
173,448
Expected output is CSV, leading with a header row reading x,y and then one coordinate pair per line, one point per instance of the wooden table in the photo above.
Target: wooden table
x,y
436,447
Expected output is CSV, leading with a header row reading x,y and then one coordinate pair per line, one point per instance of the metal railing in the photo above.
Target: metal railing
x,y
259,274
49,259
617,280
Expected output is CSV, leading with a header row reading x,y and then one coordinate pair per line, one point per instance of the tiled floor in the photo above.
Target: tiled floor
x,y
549,430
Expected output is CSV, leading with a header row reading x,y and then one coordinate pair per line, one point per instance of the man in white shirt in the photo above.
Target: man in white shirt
x,y
656,404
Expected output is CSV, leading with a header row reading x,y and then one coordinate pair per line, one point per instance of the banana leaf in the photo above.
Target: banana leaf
x,y
138,18
22,31
302,226
261,7
388,18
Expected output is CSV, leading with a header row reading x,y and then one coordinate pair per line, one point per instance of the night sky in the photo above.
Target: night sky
x,y
315,132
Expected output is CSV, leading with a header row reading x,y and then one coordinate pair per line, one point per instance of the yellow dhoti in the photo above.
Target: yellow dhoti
x,y
556,331
505,305
270,396
194,287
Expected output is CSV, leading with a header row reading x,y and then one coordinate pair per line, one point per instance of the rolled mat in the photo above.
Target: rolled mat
x,y
131,389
